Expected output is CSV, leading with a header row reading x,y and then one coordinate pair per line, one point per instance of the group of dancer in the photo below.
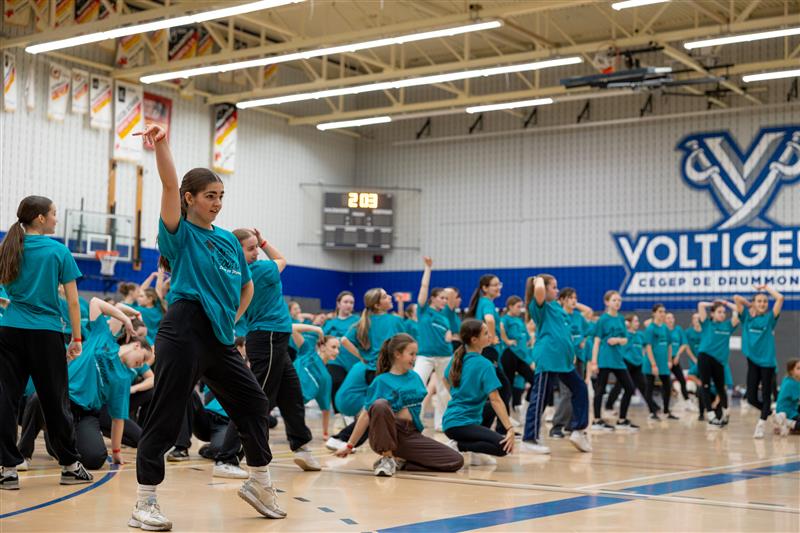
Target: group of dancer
x,y
214,348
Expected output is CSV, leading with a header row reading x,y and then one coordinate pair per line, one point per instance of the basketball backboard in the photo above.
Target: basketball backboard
x,y
87,232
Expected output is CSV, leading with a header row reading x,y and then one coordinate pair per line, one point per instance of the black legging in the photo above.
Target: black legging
x,y
624,379
666,390
513,365
677,371
475,438
637,377
338,373
765,376
505,393
712,370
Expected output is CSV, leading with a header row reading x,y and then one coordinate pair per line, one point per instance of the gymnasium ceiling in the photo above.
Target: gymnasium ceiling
x,y
531,30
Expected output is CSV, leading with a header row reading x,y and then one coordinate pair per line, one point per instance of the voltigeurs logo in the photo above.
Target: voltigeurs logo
x,y
745,246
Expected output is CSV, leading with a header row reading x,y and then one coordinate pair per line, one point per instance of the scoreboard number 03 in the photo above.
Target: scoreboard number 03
x,y
362,200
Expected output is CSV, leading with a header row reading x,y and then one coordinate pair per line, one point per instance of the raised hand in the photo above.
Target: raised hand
x,y
259,238
152,134
428,261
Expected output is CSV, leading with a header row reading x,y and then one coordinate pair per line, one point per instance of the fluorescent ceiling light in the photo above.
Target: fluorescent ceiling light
x,y
124,31
411,82
319,52
353,123
771,75
742,38
618,6
509,105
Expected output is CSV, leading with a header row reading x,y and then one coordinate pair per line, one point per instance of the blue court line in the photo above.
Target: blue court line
x,y
99,483
583,503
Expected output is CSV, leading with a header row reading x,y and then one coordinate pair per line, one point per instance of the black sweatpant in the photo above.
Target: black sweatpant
x,y
677,371
489,415
39,354
637,378
475,438
765,376
710,371
622,378
666,390
188,350
338,373
139,404
513,365
209,427
131,433
275,374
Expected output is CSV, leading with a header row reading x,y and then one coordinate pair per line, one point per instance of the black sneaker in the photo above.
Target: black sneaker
x,y
600,425
77,477
9,480
627,425
654,416
177,455
701,417
556,432
670,416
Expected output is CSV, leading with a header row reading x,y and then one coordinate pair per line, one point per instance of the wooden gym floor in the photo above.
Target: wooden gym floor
x,y
671,476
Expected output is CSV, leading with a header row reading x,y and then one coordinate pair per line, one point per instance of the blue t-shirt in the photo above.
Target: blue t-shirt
x,y
315,381
46,263
553,350
478,380
633,352
208,266
432,328
486,307
151,316
98,377
715,340
788,397
517,331
609,327
338,327
382,327
758,334
401,391
658,338
268,310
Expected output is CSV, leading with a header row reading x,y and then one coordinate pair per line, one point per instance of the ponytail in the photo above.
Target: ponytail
x,y
12,247
470,330
371,300
389,348
483,281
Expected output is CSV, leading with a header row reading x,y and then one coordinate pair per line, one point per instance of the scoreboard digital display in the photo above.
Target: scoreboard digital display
x,y
358,220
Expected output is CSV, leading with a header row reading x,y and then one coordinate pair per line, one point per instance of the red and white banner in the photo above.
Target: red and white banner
x,y
58,92
226,122
65,13
128,119
9,82
87,10
100,95
30,84
16,12
130,51
157,110
182,42
80,92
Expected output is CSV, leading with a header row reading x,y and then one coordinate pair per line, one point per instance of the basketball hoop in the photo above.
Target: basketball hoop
x,y
108,259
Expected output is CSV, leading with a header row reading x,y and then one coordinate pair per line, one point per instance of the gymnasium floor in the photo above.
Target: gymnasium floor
x,y
675,476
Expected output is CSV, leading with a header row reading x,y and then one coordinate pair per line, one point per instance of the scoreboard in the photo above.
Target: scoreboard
x,y
358,220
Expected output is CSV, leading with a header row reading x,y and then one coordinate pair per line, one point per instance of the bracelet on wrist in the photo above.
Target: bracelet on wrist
x,y
116,451
262,243
349,446
78,339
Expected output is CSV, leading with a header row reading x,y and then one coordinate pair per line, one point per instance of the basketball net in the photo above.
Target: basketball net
x,y
108,260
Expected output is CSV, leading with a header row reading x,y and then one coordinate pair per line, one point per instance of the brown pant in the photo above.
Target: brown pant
x,y
387,433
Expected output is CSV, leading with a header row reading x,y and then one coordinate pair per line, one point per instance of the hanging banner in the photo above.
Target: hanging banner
x,y
87,10
100,95
9,82
58,92
30,84
226,121
157,110
80,92
182,43
16,12
41,11
128,119
130,51
65,13
205,44
159,42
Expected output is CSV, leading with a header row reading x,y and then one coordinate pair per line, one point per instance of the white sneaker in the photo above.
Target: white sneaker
x,y
229,471
348,420
264,499
481,459
385,467
580,440
535,447
514,421
306,461
453,444
147,515
759,432
779,421
334,444
548,414
24,465
691,407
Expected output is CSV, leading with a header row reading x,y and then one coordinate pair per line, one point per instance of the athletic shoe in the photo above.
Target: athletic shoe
x,y
24,465
556,432
580,440
481,459
78,476
701,417
385,467
691,407
229,471
177,455
514,422
400,462
779,422
147,515
600,425
334,444
759,432
264,499
534,447
548,414
714,422
306,461
627,424
670,416
9,480
654,416
272,422
453,444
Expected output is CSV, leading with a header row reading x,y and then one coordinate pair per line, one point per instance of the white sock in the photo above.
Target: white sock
x,y
10,470
145,492
260,474
71,468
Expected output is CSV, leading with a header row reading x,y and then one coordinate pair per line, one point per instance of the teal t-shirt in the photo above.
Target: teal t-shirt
x,y
758,338
151,316
633,352
478,380
715,340
268,310
382,327
486,307
609,327
658,338
213,405
338,327
401,391
411,327
693,338
677,338
516,331
140,371
553,350
98,377
788,397
241,328
46,263
315,381
577,328
586,353
432,328
208,266
453,319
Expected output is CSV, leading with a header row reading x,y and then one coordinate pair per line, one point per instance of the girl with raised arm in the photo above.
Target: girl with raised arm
x,y
714,352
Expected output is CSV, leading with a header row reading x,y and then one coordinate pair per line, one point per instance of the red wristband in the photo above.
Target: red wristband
x,y
77,340
263,243
116,451
349,446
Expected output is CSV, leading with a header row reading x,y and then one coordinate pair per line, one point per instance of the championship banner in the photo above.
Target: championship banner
x,y
157,110
87,10
58,92
128,119
16,12
205,44
9,82
100,95
30,84
65,13
226,121
41,10
182,43
80,92
130,51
